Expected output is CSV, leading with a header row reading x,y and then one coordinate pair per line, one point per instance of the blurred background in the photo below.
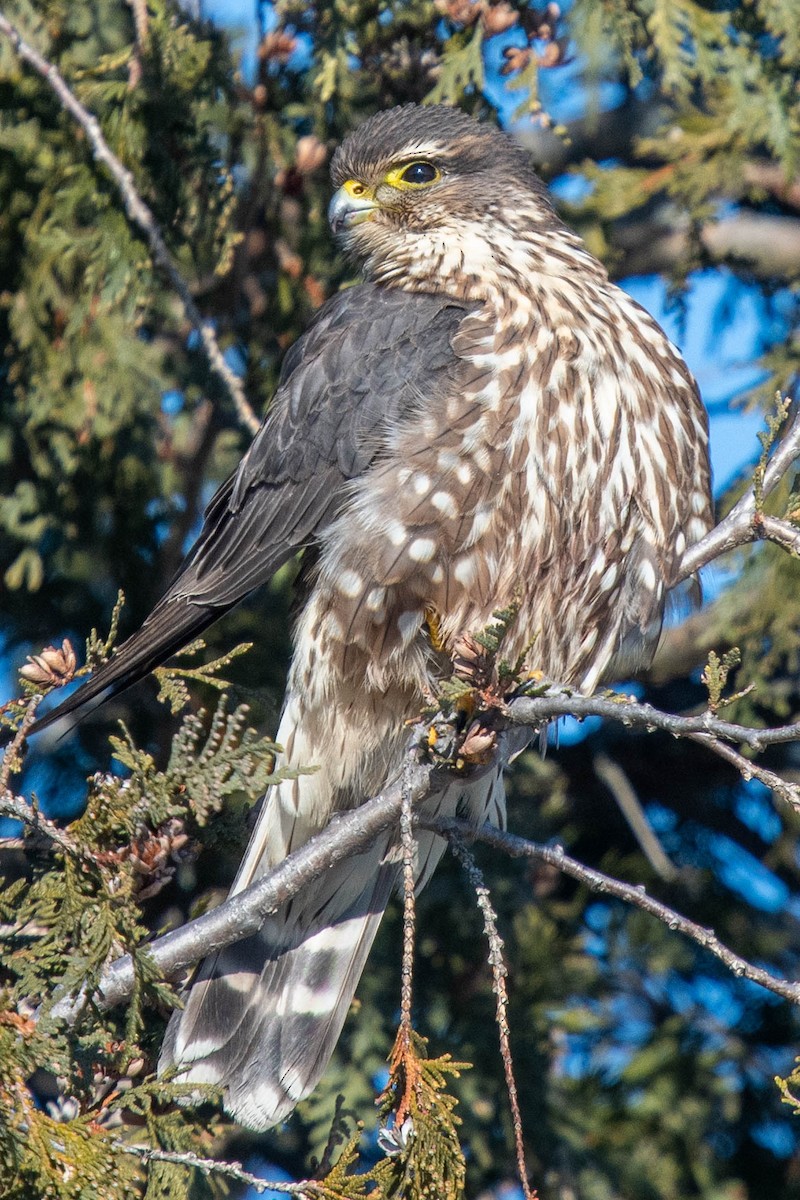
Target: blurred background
x,y
669,133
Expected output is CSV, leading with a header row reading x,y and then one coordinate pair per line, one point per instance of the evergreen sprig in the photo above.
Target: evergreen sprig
x,y
424,1156
79,906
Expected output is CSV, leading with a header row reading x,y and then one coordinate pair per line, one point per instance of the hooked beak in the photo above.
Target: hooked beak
x,y
346,210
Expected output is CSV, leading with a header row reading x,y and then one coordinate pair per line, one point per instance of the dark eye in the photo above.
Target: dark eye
x,y
419,173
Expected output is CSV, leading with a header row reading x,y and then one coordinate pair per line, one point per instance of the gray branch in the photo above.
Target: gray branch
x,y
350,833
653,242
560,702
244,914
210,1166
138,213
621,788
633,894
790,792
499,973
781,532
744,524
45,832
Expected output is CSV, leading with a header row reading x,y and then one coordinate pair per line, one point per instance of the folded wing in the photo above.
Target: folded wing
x,y
371,357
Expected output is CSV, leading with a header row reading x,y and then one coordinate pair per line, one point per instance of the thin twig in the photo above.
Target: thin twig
x,y
12,754
634,894
141,20
499,972
140,23
621,788
408,843
19,809
209,1166
790,792
141,216
16,807
743,524
705,728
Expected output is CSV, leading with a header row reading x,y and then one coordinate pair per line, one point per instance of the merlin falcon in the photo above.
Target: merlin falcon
x,y
484,419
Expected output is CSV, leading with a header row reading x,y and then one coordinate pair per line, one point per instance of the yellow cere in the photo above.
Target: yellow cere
x,y
356,189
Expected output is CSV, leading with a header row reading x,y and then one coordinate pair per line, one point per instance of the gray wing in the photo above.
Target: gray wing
x,y
370,359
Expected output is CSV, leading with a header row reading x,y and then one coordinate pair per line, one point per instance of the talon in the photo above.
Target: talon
x,y
433,622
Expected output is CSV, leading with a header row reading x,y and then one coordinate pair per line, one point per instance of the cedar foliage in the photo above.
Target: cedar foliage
x,y
644,1072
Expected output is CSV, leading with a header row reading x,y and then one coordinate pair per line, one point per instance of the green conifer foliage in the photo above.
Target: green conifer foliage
x,y
645,1072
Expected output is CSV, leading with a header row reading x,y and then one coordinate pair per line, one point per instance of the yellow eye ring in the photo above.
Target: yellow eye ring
x,y
414,175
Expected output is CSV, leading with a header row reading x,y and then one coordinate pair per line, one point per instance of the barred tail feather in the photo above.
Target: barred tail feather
x,y
263,1017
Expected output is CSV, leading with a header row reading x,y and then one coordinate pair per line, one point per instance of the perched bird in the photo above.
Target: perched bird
x,y
485,418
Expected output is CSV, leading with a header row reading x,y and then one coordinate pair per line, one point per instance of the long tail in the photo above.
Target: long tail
x,y
263,1017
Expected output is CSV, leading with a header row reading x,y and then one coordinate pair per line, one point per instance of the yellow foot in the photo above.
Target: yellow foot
x,y
433,621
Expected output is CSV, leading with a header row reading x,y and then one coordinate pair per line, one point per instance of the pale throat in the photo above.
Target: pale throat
x,y
482,259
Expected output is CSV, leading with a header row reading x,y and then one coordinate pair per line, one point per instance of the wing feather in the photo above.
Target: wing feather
x,y
370,360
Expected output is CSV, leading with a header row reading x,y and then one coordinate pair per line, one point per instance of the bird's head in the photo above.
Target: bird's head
x,y
427,194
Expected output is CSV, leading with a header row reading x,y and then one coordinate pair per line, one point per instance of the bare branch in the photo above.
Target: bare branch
x,y
407,841
350,833
790,792
16,807
140,23
743,523
560,702
499,972
773,529
633,894
621,788
243,914
209,1166
653,241
12,755
139,213
141,19
20,810
772,178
